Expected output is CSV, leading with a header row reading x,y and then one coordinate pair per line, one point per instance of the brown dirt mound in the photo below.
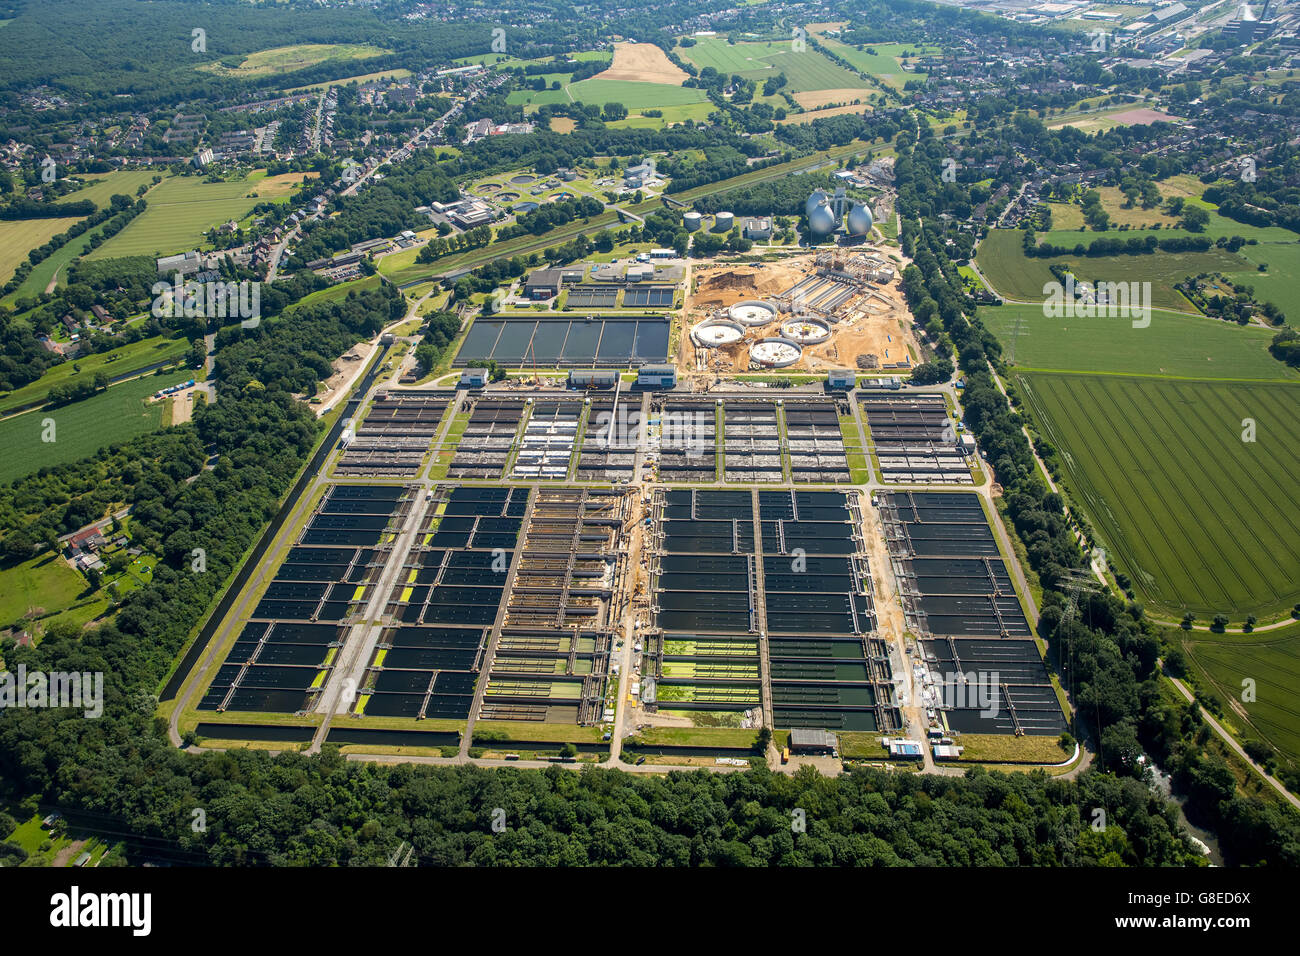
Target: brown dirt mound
x,y
735,285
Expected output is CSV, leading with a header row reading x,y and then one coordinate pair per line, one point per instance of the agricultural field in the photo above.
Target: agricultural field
x,y
807,71
1280,283
289,59
18,237
1190,537
101,187
82,428
183,208
884,64
639,76
631,94
547,97
1174,345
1002,260
698,112
816,113
50,269
1272,660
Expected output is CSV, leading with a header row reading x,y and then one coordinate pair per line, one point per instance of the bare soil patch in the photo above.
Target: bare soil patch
x,y
822,114
813,99
642,63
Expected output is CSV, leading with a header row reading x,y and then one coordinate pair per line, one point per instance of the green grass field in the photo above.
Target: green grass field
x,y
883,64
671,114
51,267
1281,283
82,428
35,587
101,187
121,361
99,190
1002,260
181,209
634,95
1180,346
288,59
807,70
546,97
1272,660
21,236
1199,519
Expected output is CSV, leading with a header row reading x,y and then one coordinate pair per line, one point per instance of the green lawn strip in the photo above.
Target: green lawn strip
x,y
727,737
528,731
1008,749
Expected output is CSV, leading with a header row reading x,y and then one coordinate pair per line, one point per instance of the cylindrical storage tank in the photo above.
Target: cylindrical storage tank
x,y
692,220
714,333
816,199
752,313
775,352
860,219
806,330
723,222
822,220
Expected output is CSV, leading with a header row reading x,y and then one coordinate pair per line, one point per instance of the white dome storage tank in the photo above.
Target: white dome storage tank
x,y
860,219
822,220
816,199
723,222
692,220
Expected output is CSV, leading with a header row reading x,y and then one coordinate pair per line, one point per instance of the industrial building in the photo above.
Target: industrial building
x,y
474,378
547,283
657,376
906,750
634,177
758,228
592,378
806,740
838,379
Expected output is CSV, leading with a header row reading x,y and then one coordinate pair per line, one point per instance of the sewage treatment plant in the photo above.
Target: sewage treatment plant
x,y
607,562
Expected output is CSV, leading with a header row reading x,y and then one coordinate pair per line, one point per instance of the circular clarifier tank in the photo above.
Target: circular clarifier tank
x,y
805,330
715,333
752,313
775,352
522,179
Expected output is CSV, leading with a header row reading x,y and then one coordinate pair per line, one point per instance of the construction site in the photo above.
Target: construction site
x,y
841,308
